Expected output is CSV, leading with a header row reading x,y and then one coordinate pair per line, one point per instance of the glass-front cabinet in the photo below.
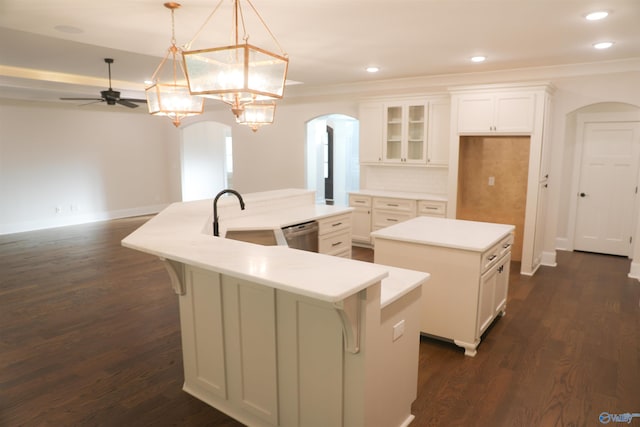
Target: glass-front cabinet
x,y
405,133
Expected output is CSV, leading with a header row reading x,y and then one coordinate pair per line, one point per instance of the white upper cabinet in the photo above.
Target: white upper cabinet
x,y
405,132
508,113
371,116
438,132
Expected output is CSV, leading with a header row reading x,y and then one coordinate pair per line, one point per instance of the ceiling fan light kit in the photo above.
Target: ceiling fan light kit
x,y
239,74
169,94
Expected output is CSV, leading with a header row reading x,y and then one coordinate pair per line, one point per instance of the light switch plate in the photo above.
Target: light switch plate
x,y
398,330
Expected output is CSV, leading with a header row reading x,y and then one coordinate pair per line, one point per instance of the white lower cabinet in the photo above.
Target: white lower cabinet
x,y
334,235
372,213
492,294
391,211
432,208
361,219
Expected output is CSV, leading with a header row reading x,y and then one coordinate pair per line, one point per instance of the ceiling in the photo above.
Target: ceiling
x,y
55,48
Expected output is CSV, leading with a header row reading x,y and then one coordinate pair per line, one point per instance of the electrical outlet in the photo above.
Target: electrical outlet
x,y
398,330
492,180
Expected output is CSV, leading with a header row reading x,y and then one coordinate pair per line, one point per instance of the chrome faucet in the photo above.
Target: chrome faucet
x,y
216,232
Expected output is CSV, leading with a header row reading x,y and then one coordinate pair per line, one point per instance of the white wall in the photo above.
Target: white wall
x,y
63,166
110,163
203,159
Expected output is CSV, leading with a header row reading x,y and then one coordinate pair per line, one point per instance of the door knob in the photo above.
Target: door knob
x,y
582,195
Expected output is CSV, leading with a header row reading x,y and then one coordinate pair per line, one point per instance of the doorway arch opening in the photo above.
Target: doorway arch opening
x,y
206,160
601,170
332,158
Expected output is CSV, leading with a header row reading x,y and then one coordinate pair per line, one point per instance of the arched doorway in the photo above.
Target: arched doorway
x,y
603,201
332,158
206,160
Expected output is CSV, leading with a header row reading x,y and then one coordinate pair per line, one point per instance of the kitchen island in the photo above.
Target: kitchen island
x,y
469,266
275,336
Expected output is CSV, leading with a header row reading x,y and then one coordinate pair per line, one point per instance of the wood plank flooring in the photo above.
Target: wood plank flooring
x,y
89,336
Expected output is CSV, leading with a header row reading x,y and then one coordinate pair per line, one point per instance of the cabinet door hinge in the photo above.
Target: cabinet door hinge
x,y
630,239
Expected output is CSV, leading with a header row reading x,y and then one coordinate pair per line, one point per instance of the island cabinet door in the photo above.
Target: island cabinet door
x,y
486,298
492,295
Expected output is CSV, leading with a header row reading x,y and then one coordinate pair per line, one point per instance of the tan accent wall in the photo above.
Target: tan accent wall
x,y
506,159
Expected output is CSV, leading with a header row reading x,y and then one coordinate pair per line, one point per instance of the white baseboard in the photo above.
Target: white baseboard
x,y
62,221
549,259
562,244
634,272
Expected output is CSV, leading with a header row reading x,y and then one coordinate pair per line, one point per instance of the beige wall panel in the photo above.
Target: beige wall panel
x,y
506,159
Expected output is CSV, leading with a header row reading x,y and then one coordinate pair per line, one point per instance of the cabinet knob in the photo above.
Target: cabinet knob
x,y
582,195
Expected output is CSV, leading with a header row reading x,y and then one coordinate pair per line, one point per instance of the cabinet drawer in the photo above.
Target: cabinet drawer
x,y
334,223
334,243
356,201
402,205
383,219
490,257
432,208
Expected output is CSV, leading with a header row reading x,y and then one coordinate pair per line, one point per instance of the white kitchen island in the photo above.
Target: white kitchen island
x,y
275,336
469,266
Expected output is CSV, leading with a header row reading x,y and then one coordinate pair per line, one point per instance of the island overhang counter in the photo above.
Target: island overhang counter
x,y
275,336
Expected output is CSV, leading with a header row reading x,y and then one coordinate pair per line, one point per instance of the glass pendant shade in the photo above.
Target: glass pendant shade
x,y
169,93
174,101
237,72
256,115
237,75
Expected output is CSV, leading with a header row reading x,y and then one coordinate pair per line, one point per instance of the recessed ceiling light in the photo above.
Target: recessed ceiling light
x,y
478,58
148,82
596,16
603,45
372,69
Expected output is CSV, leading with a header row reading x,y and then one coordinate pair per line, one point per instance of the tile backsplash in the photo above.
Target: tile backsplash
x,y
404,178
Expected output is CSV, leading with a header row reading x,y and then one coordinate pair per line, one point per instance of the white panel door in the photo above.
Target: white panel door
x,y
607,190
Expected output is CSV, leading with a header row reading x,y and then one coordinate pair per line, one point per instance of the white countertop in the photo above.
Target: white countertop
x,y
178,233
453,233
402,195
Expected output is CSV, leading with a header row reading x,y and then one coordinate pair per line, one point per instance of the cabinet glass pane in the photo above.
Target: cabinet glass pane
x,y
416,114
416,140
394,114
394,149
414,150
394,133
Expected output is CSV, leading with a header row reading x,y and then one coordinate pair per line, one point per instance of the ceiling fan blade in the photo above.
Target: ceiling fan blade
x,y
126,103
95,101
142,101
81,99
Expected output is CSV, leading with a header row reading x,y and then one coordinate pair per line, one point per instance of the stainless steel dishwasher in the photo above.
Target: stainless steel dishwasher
x,y
302,236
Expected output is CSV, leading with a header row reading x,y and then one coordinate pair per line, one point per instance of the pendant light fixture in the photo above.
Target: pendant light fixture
x,y
257,114
171,97
239,73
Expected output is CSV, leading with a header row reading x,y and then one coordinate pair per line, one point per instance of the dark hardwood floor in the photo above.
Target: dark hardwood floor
x,y
89,336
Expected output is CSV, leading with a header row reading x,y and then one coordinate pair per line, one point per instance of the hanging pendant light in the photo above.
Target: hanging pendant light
x,y
257,114
171,97
240,73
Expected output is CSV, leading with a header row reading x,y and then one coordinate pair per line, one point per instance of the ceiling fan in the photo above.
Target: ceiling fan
x,y
110,96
